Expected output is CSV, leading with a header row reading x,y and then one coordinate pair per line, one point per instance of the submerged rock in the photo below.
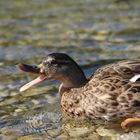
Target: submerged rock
x,y
106,132
77,132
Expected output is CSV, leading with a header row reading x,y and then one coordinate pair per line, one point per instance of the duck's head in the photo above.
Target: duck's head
x,y
56,66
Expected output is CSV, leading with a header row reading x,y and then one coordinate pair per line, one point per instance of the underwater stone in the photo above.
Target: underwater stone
x,y
106,132
77,132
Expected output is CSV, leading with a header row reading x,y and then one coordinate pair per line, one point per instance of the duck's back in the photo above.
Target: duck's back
x,y
116,95
123,69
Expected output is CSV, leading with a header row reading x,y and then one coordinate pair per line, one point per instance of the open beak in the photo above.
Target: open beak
x,y
35,70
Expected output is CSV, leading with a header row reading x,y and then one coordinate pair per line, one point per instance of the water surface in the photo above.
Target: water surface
x,y
93,32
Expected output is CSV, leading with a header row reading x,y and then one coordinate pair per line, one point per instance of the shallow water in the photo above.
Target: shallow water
x,y
93,32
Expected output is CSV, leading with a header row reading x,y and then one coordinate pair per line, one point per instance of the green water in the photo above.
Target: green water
x,y
93,32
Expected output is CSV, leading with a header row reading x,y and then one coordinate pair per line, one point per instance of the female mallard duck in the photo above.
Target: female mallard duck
x,y
112,92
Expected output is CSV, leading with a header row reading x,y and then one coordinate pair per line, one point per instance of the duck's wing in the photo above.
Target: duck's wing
x,y
127,69
117,86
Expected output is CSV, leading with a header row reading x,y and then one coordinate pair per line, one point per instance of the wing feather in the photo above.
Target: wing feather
x,y
124,69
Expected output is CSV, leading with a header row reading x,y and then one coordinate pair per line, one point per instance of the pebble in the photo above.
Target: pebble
x,y
35,102
2,87
1,63
18,110
77,132
106,132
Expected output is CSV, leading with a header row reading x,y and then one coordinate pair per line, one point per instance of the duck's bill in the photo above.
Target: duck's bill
x,y
31,69
33,83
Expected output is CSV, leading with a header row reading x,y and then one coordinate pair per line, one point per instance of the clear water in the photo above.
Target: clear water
x,y
93,32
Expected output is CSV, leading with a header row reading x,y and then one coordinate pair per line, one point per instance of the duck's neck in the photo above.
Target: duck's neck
x,y
73,82
74,78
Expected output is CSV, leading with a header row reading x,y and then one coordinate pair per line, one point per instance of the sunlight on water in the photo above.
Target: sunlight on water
x,y
93,32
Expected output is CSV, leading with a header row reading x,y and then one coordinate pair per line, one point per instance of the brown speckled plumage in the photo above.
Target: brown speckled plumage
x,y
108,94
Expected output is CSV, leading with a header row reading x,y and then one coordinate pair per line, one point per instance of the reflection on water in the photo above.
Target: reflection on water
x,y
93,32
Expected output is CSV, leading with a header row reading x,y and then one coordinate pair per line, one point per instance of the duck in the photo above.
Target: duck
x,y
111,92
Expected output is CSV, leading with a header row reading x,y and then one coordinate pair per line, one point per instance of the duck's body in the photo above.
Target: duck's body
x,y
111,93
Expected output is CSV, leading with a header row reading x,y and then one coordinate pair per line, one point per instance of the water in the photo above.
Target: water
x,y
93,32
